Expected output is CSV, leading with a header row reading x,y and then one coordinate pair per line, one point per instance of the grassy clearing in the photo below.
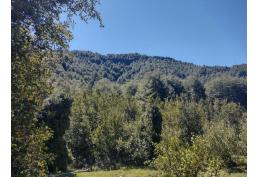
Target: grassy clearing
x,y
115,173
121,173
130,173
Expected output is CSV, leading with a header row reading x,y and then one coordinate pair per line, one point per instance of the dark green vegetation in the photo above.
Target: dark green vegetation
x,y
87,69
37,31
83,110
138,111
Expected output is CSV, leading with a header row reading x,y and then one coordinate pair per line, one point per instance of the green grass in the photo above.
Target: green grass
x,y
130,173
115,173
120,173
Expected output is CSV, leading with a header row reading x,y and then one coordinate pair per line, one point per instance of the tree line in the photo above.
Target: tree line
x,y
175,127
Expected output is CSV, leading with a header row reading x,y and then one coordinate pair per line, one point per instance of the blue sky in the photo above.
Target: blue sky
x,y
205,32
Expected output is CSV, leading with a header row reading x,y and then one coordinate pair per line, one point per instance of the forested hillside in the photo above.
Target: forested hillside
x,y
88,68
132,110
131,72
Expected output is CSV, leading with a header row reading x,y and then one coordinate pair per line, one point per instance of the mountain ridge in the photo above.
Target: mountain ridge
x,y
154,57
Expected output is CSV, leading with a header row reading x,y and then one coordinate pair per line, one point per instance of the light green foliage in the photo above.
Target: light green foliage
x,y
243,137
83,121
183,119
222,140
176,158
136,144
108,132
226,144
201,138
232,114
226,130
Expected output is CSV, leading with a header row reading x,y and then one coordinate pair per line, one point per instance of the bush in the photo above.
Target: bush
x,y
176,158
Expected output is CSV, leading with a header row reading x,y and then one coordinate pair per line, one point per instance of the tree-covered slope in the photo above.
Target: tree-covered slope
x,y
86,68
137,110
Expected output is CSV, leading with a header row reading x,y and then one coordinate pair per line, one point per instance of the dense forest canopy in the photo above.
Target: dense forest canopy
x,y
131,72
121,68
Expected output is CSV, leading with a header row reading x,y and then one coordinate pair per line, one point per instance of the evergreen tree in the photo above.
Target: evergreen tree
x,y
194,89
56,116
154,89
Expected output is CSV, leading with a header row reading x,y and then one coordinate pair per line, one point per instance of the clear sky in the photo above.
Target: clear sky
x,y
210,32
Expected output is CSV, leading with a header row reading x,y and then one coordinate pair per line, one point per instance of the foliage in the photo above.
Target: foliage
x,y
108,130
222,141
215,130
83,69
124,105
183,119
39,23
155,89
229,88
178,159
29,153
83,120
194,89
56,116
174,88
154,115
37,29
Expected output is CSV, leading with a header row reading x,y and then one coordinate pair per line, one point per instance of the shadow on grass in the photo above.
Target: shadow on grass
x,y
239,169
68,174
